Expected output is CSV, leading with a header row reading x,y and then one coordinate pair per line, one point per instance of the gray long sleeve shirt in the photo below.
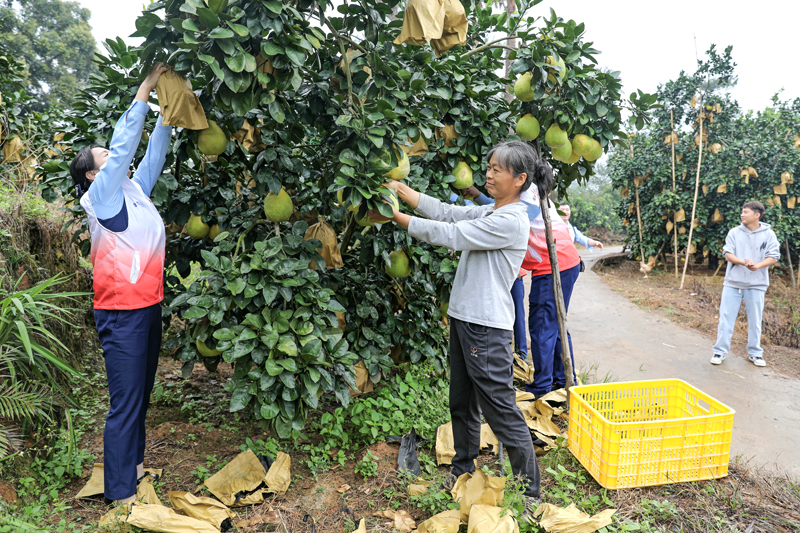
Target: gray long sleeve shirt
x,y
493,242
756,245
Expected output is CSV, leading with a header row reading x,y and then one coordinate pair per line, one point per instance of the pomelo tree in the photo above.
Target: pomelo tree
x,y
746,156
319,102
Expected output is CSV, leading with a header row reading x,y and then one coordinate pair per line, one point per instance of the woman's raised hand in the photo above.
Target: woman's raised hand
x,y
150,82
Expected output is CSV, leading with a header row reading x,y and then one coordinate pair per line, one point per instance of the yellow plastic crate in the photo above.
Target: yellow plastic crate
x,y
643,433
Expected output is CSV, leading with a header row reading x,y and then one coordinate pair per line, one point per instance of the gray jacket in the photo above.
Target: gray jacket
x,y
493,242
756,245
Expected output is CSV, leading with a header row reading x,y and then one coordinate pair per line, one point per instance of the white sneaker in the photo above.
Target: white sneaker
x,y
717,359
758,360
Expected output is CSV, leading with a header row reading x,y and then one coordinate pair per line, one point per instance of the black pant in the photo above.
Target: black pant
x,y
481,375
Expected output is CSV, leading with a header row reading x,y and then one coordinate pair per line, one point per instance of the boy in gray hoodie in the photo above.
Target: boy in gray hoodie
x,y
750,250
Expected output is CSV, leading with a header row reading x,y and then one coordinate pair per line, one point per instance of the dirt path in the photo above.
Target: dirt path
x,y
632,344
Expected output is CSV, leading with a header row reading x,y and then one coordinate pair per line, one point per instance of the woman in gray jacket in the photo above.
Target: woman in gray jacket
x,y
493,240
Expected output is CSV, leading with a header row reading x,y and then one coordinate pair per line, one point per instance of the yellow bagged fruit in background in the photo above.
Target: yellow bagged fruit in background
x,y
323,232
212,140
278,207
463,174
522,88
196,228
178,103
399,266
528,127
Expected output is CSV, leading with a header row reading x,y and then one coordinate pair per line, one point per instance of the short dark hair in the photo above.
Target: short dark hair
x,y
518,157
81,164
756,207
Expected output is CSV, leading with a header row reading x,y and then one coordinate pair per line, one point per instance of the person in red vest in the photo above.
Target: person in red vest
x,y
128,245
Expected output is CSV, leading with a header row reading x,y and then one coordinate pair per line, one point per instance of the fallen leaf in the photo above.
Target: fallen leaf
x,y
344,488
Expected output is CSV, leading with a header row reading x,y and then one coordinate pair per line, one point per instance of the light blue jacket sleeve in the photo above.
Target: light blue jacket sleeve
x,y
153,163
454,198
106,190
581,238
433,209
484,200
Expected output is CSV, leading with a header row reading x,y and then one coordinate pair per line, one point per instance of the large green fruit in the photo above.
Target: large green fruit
x,y
573,159
196,228
528,127
400,172
399,266
278,207
595,152
463,174
205,351
522,88
212,140
553,73
555,136
581,144
562,153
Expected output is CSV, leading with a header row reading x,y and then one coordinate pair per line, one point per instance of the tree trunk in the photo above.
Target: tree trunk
x,y
561,308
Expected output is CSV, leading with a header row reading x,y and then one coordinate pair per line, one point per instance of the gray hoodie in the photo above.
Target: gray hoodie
x,y
493,241
756,245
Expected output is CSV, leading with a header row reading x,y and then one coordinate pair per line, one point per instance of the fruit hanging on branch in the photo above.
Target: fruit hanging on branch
x,y
399,265
278,207
463,175
528,127
212,141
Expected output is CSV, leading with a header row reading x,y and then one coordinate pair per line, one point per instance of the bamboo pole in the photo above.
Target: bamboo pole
x,y
639,218
789,259
696,189
674,215
561,308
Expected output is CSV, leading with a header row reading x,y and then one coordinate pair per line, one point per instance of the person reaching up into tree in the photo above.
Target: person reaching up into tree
x,y
128,245
493,240
750,249
575,233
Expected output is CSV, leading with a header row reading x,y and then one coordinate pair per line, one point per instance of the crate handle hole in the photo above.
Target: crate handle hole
x,y
703,405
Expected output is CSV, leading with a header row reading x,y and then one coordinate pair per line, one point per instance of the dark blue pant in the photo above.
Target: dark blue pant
x,y
520,334
545,350
131,341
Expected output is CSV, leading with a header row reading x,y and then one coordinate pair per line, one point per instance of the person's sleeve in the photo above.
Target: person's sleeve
x,y
531,201
483,200
435,210
106,190
730,244
580,238
485,233
773,247
153,163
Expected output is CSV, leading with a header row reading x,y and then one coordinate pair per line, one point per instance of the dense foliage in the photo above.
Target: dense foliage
x,y
746,156
326,94
595,205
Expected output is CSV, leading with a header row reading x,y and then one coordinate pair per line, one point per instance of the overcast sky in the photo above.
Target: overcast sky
x,y
649,42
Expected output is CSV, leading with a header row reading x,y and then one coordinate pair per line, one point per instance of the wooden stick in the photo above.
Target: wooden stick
x,y
723,262
561,308
674,215
639,217
696,188
789,258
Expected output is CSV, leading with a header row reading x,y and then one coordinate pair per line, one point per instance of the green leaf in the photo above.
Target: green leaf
x,y
236,286
235,63
210,259
269,411
297,57
270,49
189,25
208,18
287,345
276,110
240,399
242,31
274,5
221,33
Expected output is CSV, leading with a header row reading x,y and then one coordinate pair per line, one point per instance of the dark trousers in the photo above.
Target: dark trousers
x,y
131,341
545,349
481,378
520,332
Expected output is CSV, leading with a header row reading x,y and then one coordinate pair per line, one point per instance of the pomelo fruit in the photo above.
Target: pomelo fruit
x,y
553,73
573,159
340,197
562,153
213,231
581,144
196,228
555,136
212,140
278,207
399,266
522,88
528,127
463,174
205,351
400,172
595,152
